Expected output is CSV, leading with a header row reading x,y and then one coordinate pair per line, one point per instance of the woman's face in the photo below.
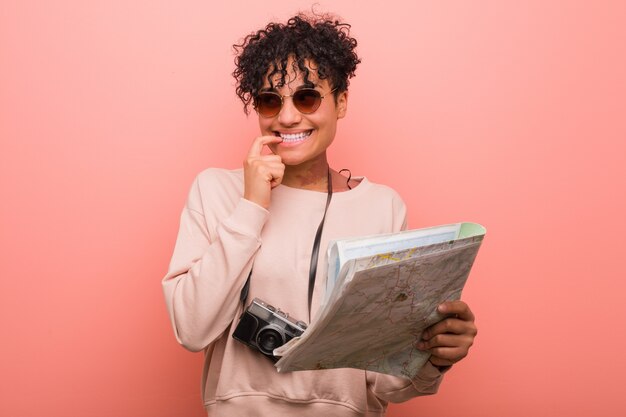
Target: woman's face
x,y
305,136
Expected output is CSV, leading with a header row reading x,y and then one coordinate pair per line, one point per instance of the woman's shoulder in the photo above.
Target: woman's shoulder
x,y
376,190
211,176
212,180
215,186
377,205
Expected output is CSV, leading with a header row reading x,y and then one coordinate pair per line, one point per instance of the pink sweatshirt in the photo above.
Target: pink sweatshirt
x,y
221,235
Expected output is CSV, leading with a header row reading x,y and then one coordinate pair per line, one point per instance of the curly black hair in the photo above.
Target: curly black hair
x,y
322,41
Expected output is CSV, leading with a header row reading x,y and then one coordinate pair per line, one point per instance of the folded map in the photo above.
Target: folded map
x,y
382,292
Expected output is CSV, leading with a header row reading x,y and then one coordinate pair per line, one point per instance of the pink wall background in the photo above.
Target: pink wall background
x,y
507,113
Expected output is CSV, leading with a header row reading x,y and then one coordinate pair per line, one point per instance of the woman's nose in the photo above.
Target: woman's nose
x,y
289,115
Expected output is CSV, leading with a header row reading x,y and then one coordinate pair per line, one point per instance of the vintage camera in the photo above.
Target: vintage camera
x,y
264,327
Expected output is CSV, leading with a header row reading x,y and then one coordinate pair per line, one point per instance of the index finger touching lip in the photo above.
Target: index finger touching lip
x,y
260,142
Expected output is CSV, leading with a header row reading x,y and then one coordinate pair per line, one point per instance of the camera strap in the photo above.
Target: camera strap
x,y
314,254
316,244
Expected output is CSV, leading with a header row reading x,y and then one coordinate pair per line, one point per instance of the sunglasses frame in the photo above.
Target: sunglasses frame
x,y
282,101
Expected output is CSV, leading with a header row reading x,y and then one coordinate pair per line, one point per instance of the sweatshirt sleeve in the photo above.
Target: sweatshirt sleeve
x,y
395,389
211,261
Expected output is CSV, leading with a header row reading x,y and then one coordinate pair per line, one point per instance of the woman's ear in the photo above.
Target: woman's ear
x,y
342,104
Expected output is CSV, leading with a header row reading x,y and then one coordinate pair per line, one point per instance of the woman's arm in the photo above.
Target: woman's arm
x,y
211,262
448,341
395,389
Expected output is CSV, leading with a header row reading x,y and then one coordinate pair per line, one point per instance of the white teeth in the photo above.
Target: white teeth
x,y
294,136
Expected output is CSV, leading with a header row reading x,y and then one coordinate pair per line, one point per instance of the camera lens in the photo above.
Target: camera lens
x,y
269,339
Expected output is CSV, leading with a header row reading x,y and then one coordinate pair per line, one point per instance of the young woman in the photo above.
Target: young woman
x,y
259,224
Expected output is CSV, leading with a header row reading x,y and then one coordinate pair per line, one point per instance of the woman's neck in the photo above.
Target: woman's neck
x,y
312,175
317,181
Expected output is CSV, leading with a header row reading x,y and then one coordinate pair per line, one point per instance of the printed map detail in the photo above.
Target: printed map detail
x,y
379,309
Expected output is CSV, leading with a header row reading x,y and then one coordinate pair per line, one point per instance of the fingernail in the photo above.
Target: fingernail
x,y
442,308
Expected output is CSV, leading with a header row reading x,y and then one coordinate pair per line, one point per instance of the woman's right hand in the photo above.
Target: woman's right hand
x,y
262,172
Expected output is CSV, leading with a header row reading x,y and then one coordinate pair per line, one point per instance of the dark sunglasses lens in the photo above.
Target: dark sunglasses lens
x,y
307,101
268,104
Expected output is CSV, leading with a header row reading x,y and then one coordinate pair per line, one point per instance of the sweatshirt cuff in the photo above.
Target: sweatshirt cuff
x,y
430,372
248,218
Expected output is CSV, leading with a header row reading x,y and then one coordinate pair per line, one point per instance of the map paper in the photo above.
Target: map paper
x,y
378,305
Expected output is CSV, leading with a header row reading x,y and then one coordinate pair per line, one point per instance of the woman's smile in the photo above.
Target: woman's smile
x,y
293,138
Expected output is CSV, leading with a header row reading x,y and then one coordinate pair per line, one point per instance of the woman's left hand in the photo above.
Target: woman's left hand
x,y
449,340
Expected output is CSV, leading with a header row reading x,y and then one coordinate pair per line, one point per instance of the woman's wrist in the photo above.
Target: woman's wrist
x,y
440,368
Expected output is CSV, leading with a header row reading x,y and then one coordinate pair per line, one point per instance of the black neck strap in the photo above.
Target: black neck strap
x,y
314,254
316,244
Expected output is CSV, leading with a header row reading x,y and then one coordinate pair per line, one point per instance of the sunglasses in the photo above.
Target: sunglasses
x,y
306,101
